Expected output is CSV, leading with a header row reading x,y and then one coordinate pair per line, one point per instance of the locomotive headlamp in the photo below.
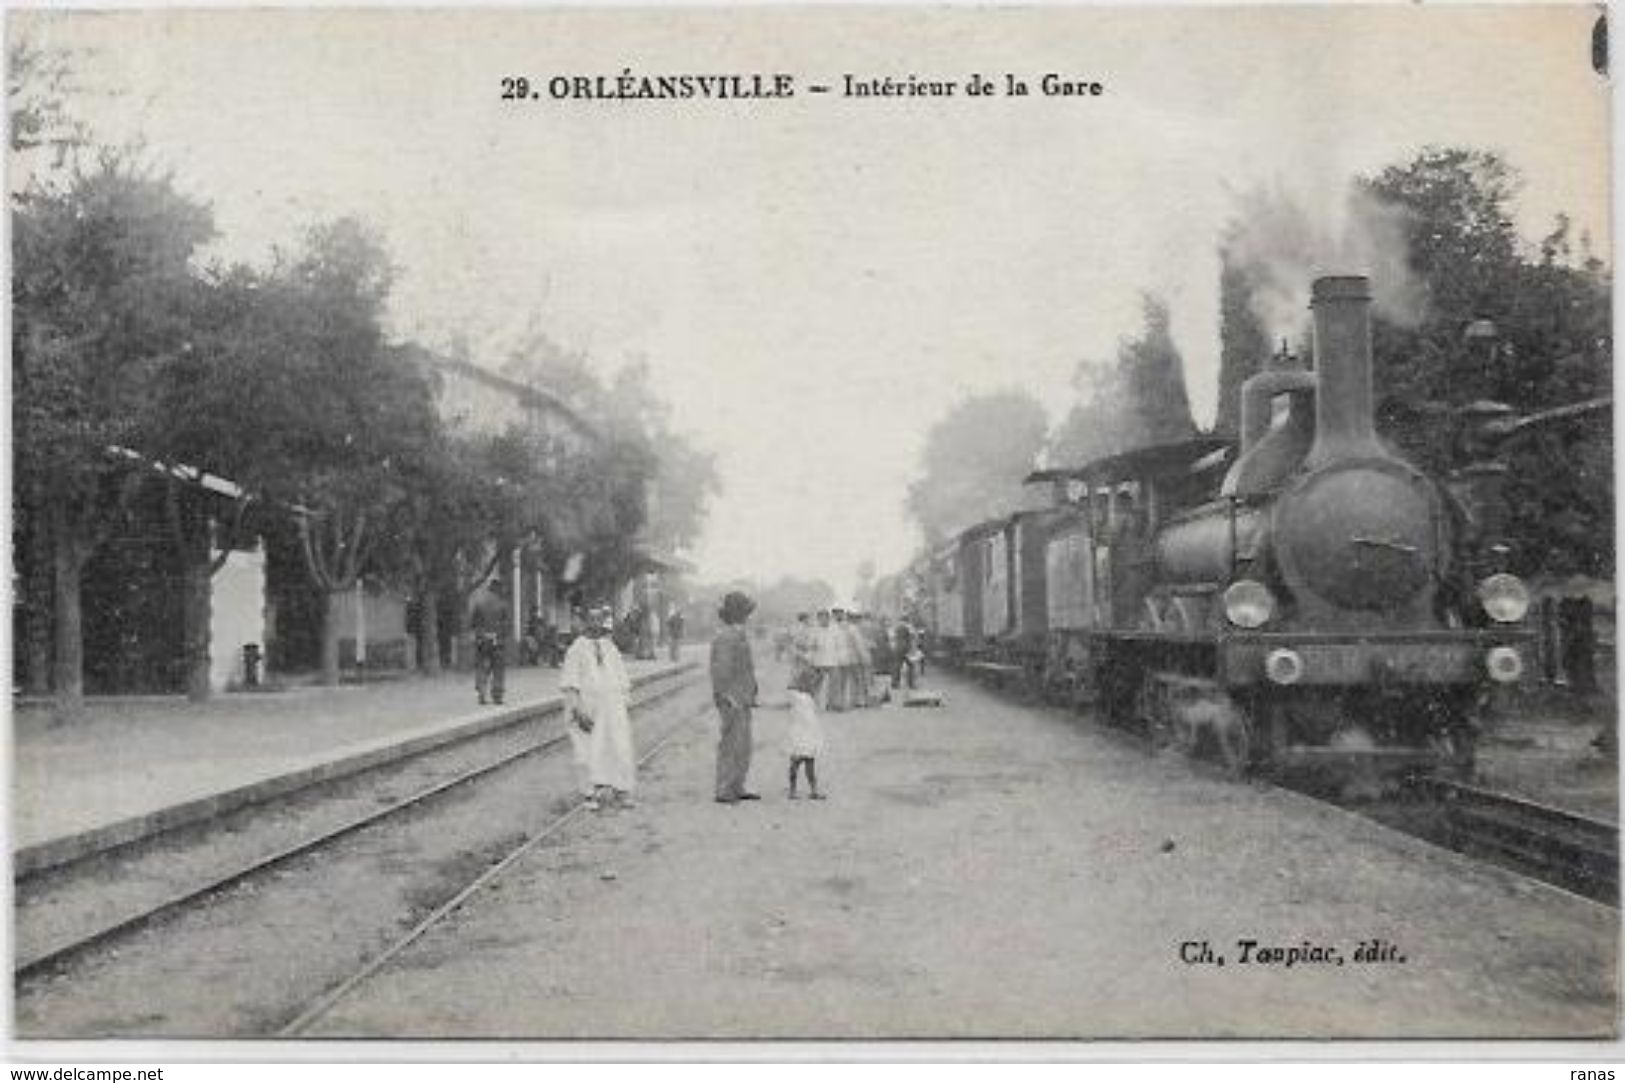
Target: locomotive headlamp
x,y
1284,666
1504,664
1504,598
1248,603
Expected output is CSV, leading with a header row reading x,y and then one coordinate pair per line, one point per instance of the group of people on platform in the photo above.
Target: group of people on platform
x,y
841,660
544,643
860,658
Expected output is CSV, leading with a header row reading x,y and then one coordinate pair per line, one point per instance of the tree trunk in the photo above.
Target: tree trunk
x,y
461,656
69,662
335,601
191,531
197,610
429,635
37,594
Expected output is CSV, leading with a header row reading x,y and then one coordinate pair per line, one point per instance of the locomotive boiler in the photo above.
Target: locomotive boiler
x,y
1307,597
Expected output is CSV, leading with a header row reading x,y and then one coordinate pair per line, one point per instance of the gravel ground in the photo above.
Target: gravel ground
x,y
989,870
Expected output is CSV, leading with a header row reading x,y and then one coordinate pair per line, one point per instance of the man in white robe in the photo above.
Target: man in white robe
x,y
596,687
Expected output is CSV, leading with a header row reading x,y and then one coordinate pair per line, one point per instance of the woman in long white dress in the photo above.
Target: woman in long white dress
x,y
596,687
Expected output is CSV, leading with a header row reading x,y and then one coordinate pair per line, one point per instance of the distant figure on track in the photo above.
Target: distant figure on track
x,y
733,688
825,658
803,642
806,732
596,687
857,645
489,623
907,659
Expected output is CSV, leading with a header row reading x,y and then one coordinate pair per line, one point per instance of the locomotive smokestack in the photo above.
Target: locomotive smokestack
x,y
1344,427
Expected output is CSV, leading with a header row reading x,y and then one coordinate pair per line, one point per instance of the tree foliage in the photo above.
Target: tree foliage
x,y
39,84
1138,401
974,461
1243,344
644,450
103,294
293,392
1551,345
135,366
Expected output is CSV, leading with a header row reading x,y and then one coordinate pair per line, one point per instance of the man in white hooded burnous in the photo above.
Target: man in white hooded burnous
x,y
595,686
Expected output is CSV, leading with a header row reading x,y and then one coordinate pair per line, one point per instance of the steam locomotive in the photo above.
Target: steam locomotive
x,y
1309,598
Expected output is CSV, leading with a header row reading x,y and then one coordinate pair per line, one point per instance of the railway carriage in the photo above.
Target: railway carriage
x,y
944,614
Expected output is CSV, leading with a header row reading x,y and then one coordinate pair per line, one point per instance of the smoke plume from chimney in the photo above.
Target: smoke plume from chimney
x,y
1281,247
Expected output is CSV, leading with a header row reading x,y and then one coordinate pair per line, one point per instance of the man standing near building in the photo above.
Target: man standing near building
x,y
674,631
489,623
733,688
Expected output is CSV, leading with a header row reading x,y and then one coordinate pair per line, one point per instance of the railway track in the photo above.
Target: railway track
x,y
324,1004
1563,848
62,913
1568,850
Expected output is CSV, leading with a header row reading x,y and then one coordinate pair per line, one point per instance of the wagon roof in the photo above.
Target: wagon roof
x,y
986,526
1155,461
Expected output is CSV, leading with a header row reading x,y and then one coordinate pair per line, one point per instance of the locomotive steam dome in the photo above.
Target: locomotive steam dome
x,y
1360,535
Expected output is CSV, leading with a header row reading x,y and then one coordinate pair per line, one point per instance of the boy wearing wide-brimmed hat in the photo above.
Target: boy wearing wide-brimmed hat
x,y
733,688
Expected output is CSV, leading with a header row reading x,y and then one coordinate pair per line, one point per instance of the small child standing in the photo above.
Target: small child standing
x,y
806,734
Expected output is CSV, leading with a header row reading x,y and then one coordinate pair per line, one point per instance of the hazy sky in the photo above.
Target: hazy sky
x,y
815,281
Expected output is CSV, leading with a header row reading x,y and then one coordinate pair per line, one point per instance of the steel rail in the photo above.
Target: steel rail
x,y
29,965
1582,852
325,1003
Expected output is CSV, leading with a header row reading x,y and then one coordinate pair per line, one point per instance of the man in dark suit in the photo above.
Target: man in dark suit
x,y
489,623
733,688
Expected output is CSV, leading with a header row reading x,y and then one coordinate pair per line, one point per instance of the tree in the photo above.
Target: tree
x,y
102,290
1099,423
468,506
974,461
331,423
1505,321
39,85
1153,377
194,425
1139,401
1243,346
681,476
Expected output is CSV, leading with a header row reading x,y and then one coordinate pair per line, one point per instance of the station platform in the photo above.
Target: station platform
x,y
142,764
